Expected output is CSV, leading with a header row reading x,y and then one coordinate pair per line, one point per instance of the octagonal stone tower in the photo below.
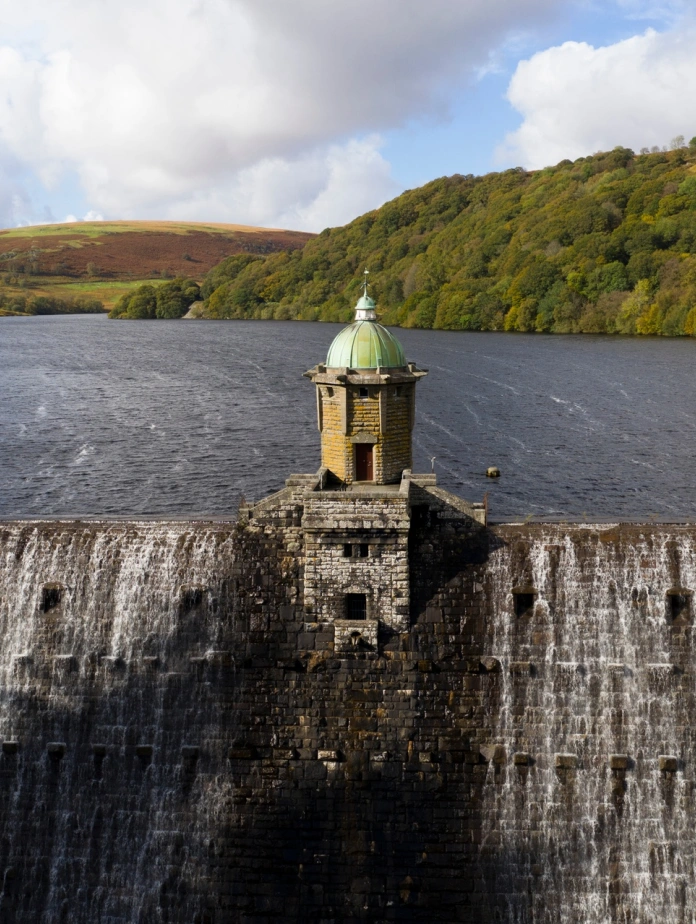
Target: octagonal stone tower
x,y
366,400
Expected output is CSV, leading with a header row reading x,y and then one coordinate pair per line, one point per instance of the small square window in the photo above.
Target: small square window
x,y
356,606
679,606
347,550
364,393
399,391
329,392
51,596
364,550
524,604
191,598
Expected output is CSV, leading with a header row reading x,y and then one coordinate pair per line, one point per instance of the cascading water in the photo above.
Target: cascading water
x,y
177,746
588,812
106,757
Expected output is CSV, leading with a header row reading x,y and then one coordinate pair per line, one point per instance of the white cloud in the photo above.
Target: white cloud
x,y
576,99
14,199
90,216
159,105
324,187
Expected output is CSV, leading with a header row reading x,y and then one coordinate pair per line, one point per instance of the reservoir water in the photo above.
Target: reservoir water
x,y
170,418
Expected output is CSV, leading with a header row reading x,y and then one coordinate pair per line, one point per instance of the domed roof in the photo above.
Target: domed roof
x,y
365,345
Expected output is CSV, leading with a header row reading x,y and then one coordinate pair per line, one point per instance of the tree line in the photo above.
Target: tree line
x,y
12,303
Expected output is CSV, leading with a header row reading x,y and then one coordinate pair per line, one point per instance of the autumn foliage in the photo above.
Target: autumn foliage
x,y
605,244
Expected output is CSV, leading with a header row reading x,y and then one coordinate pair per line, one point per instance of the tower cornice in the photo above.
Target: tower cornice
x,y
323,376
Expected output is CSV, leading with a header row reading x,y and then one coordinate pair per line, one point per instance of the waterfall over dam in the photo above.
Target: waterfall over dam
x,y
183,741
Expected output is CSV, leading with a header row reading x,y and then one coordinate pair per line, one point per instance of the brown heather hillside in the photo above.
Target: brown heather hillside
x,y
101,260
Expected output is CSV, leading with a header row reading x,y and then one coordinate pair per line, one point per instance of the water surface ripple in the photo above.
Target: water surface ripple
x,y
178,418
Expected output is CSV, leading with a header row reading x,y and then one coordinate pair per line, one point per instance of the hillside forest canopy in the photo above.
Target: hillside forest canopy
x,y
604,244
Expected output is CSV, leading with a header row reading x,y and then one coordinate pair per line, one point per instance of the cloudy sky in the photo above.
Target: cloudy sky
x,y
306,113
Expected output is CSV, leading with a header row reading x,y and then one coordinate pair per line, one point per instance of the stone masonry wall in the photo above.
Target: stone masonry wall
x,y
392,448
590,694
178,746
333,520
396,445
334,447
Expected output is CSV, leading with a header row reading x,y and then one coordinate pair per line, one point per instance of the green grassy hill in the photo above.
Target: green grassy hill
x,y
604,244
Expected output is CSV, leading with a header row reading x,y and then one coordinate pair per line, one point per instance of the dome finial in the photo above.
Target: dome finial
x,y
365,309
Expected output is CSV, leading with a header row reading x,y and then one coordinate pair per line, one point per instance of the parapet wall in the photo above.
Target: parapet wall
x,y
179,746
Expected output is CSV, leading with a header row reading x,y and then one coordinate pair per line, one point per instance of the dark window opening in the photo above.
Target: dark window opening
x,y
679,606
329,392
347,550
191,598
356,606
364,393
51,597
364,550
524,603
399,391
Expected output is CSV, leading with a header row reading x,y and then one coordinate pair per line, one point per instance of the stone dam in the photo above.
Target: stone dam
x,y
357,701
186,739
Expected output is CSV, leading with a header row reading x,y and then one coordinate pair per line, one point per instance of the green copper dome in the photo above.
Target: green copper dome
x,y
365,345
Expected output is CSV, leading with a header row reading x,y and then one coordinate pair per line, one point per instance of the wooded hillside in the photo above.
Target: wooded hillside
x,y
604,244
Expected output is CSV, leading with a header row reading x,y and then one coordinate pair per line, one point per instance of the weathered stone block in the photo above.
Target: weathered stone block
x,y
242,753
426,666
668,764
494,752
490,665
